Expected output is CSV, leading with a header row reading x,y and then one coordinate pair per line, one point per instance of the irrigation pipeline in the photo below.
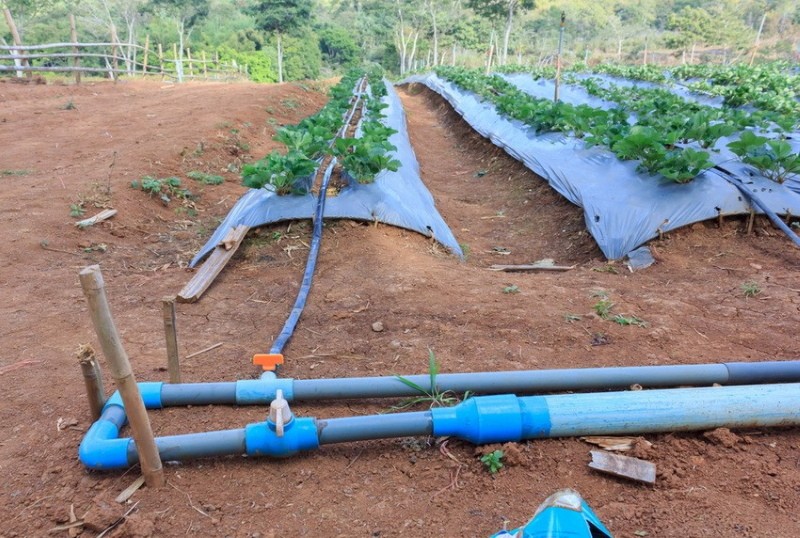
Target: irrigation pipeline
x,y
326,168
760,395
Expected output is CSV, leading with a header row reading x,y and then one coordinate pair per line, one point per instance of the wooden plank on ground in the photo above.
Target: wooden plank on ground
x,y
530,267
100,217
624,466
213,266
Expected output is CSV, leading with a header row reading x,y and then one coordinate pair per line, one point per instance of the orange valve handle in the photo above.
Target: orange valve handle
x,y
268,361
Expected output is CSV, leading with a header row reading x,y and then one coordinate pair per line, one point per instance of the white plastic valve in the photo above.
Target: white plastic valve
x,y
279,412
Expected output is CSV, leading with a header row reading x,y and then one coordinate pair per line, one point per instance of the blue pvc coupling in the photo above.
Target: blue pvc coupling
x,y
493,419
299,434
102,449
263,390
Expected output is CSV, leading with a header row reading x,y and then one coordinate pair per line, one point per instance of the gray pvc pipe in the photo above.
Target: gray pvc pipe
x,y
222,393
343,430
196,445
531,381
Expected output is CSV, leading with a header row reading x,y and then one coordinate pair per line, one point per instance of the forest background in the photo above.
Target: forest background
x,y
308,39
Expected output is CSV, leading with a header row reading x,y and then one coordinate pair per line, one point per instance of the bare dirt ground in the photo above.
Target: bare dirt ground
x,y
744,483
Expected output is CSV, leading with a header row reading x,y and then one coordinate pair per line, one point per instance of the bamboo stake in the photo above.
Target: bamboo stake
x,y
94,289
93,380
173,362
146,51
750,221
73,33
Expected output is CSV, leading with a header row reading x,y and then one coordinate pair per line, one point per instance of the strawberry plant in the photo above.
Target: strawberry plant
x,y
281,173
773,158
316,136
652,140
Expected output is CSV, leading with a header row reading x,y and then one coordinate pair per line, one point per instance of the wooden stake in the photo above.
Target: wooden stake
x,y
189,58
94,289
161,60
173,361
93,380
114,64
750,221
205,68
17,40
73,33
146,51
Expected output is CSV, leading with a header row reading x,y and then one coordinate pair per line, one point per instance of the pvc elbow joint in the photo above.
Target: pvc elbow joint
x,y
102,449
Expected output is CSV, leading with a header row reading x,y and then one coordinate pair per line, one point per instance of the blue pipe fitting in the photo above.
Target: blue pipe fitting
x,y
151,396
493,419
299,434
262,391
102,449
487,419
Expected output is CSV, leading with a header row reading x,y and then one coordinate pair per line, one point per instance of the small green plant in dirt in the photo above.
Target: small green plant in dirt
x,y
629,320
512,288
607,268
69,106
76,211
14,172
291,104
571,318
205,179
465,249
493,461
165,188
603,307
750,289
431,395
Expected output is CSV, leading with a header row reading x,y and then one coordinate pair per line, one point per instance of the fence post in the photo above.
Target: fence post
x,y
175,56
114,41
205,68
191,65
17,41
146,51
73,34
161,61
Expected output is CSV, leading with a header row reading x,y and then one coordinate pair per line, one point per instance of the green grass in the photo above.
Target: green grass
x,y
512,288
750,289
430,396
205,179
603,308
14,172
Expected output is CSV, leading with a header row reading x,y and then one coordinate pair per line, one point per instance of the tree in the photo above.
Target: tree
x,y
497,10
715,26
338,46
280,17
186,14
